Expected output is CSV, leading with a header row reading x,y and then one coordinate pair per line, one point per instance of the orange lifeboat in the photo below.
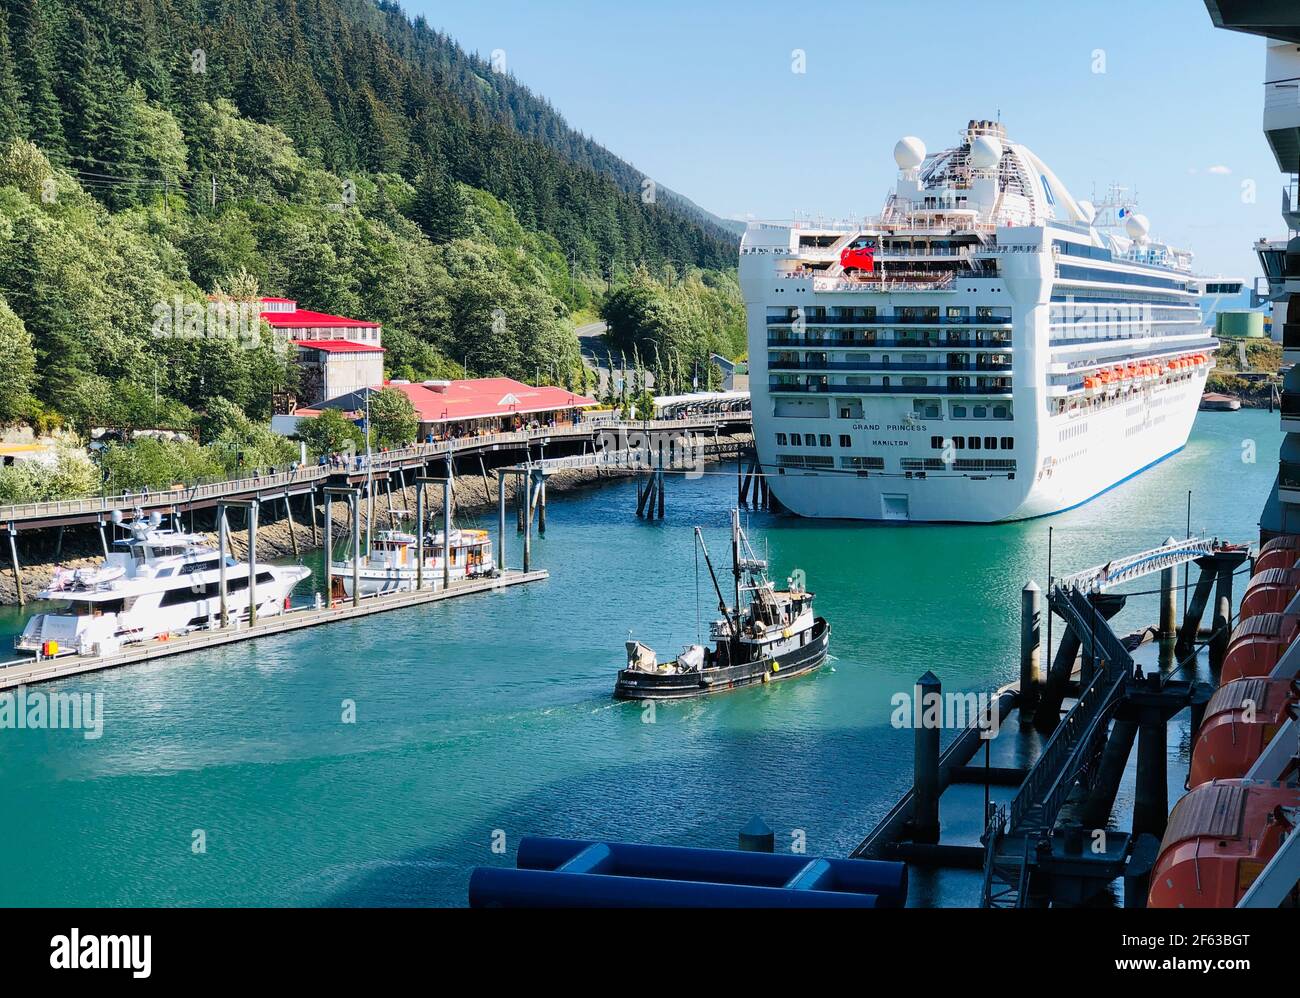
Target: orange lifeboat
x,y
1240,720
1256,645
1280,552
1220,837
1270,591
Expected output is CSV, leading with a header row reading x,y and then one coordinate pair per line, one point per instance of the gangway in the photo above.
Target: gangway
x,y
1169,555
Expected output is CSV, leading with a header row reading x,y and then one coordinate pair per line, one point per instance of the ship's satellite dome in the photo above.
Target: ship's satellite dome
x,y
1089,211
985,152
909,153
1137,227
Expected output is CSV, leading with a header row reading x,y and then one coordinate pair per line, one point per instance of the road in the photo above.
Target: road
x,y
596,355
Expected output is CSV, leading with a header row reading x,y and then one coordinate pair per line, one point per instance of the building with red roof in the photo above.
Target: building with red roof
x,y
466,408
336,355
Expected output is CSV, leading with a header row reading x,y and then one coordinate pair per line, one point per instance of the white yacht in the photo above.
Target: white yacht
x,y
391,565
987,348
155,582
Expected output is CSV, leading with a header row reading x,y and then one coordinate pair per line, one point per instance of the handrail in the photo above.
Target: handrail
x,y
166,498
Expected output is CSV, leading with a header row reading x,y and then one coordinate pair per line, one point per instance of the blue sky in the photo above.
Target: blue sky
x,y
701,97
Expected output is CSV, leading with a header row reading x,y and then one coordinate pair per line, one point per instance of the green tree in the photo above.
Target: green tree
x,y
392,418
331,433
17,367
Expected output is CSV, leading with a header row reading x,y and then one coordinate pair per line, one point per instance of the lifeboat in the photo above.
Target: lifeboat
x,y
1091,384
1240,720
1270,591
1280,552
1257,644
1220,837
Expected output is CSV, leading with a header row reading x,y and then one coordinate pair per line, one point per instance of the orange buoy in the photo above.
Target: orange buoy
x,y
1220,837
1240,720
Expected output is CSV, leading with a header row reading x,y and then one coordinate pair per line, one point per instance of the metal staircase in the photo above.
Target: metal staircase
x,y
1014,833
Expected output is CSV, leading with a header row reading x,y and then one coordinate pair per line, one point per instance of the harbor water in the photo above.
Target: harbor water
x,y
376,762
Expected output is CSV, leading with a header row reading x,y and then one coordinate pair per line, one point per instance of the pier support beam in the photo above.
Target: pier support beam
x,y
252,562
1216,575
1151,796
311,506
288,515
13,560
353,496
223,542
1048,714
446,529
1114,758
1031,600
925,782
1220,634
419,533
501,522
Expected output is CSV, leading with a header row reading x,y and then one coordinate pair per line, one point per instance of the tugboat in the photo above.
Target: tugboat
x,y
775,636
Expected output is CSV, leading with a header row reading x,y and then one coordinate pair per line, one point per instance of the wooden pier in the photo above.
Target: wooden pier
x,y
29,671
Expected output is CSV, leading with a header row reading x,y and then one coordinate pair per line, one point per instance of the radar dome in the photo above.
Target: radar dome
x,y
1089,211
909,153
1137,226
985,152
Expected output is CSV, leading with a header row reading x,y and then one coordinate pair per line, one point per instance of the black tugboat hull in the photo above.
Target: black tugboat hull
x,y
799,662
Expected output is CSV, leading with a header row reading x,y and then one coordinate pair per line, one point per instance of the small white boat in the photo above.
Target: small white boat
x,y
392,566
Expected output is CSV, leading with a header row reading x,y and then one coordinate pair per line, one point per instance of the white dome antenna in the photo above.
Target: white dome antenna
x,y
909,153
985,152
1137,226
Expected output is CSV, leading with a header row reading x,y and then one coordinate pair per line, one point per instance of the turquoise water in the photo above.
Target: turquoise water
x,y
488,718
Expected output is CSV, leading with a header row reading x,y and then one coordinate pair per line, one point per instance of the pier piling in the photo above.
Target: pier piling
x,y
1030,648
925,785
356,548
756,836
419,533
446,531
1151,796
501,522
252,561
1114,758
288,515
13,558
223,542
1219,636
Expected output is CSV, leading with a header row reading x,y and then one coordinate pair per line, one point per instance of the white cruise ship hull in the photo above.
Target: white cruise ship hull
x,y
1103,450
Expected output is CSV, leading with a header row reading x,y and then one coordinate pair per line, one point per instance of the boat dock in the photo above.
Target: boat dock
x,y
1025,808
27,671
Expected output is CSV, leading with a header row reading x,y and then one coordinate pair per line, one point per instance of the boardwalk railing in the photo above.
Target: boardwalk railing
x,y
277,481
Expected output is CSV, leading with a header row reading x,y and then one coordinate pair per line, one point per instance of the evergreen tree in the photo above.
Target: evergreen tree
x,y
34,51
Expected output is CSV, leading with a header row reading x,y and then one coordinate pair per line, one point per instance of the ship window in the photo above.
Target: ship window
x,y
1000,412
959,443
981,411
990,443
1008,443
780,440
973,443
825,439
846,440
959,412
796,439
936,443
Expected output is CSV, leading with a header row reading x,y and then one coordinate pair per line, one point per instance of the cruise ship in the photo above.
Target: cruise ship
x,y
988,348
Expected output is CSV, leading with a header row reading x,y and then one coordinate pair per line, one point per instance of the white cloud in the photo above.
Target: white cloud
x,y
1221,170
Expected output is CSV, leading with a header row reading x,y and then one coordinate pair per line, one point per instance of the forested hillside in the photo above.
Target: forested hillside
x,y
325,150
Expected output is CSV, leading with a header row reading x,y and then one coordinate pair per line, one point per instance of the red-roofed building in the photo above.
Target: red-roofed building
x,y
465,408
336,355
488,405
